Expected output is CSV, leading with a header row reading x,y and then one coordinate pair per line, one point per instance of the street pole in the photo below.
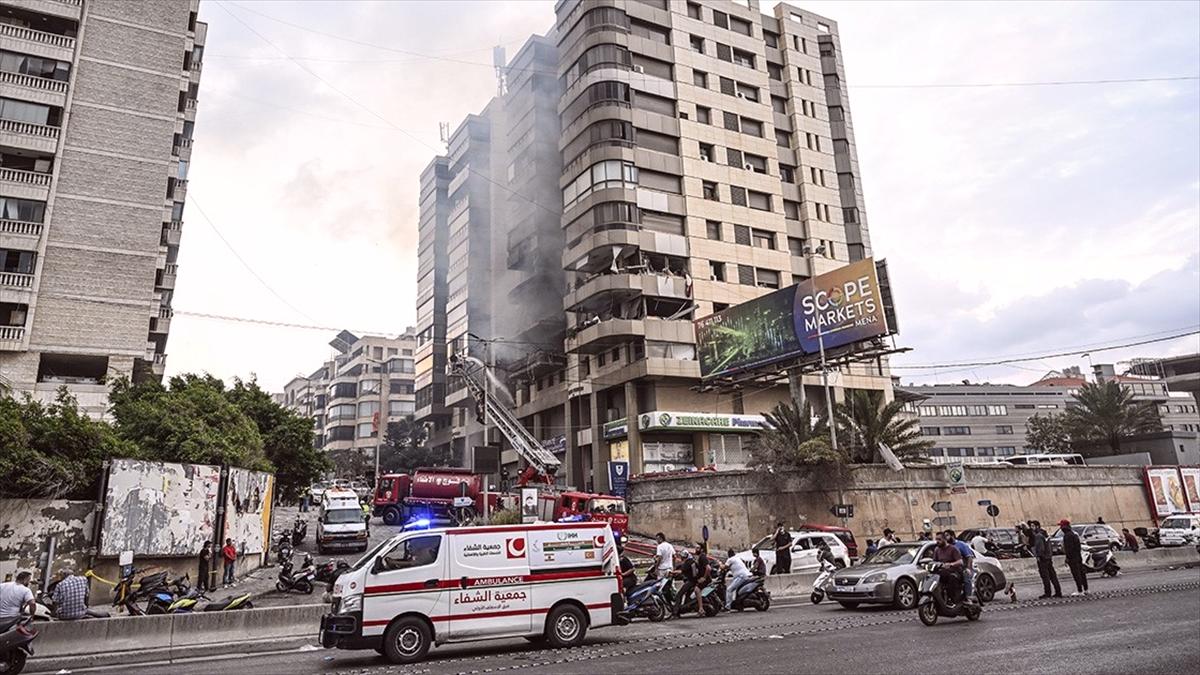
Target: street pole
x,y
808,256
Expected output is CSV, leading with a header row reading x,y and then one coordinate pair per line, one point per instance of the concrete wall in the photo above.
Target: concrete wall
x,y
740,507
157,508
25,525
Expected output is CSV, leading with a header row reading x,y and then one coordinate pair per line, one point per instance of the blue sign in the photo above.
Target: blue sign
x,y
618,478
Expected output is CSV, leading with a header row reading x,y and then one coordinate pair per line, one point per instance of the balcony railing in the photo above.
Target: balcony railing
x,y
22,33
171,268
160,360
33,82
15,127
15,280
25,177
20,227
190,104
165,313
11,333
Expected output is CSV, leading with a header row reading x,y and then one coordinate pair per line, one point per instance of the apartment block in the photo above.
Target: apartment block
x,y
97,108
352,397
705,157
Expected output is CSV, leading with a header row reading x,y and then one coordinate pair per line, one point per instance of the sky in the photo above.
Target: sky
x,y
1016,220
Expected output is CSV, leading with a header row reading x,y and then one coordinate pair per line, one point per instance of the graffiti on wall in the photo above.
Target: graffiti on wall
x,y
248,510
26,524
157,508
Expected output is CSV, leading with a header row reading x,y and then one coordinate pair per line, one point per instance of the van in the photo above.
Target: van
x,y
548,582
341,522
1178,530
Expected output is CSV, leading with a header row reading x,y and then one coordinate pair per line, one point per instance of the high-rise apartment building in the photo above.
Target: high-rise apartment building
x,y
706,157
352,397
97,107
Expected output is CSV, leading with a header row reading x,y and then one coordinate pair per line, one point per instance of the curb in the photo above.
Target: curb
x,y
165,657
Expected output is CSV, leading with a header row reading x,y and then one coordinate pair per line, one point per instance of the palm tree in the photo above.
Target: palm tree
x,y
865,424
1105,411
793,437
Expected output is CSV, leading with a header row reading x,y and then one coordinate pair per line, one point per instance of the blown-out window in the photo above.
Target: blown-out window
x,y
600,176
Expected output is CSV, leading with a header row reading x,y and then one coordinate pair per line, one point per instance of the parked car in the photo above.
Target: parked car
x,y
804,550
1004,542
842,533
892,574
1178,530
1095,535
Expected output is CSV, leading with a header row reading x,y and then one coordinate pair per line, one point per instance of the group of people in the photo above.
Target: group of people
x,y
698,570
69,593
228,554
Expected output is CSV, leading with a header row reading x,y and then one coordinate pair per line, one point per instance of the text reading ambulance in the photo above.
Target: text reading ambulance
x,y
548,581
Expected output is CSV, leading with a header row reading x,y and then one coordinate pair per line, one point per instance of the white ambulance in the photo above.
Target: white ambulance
x,y
545,581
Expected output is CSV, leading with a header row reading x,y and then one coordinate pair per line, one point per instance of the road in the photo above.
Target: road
x,y
1146,622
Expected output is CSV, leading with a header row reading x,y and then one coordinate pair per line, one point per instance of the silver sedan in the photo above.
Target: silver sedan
x,y
891,575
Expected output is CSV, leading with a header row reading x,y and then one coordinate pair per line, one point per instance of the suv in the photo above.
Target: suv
x,y
1178,530
1095,535
1002,541
805,544
842,533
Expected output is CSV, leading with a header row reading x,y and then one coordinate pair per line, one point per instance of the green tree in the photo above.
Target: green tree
x,y
404,448
793,439
287,438
191,420
1105,412
1049,433
865,424
53,450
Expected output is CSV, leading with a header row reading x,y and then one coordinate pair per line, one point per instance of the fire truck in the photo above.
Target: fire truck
x,y
432,493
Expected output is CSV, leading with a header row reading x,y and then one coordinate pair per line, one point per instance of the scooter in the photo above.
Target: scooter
x,y
753,593
162,599
932,601
16,645
301,581
231,603
299,531
823,583
646,600
283,548
1100,560
127,595
328,571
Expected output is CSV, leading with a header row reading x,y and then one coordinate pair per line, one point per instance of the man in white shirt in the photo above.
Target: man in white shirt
x,y
888,538
738,575
15,597
664,564
979,543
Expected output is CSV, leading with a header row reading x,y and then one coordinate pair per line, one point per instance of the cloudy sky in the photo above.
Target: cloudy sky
x,y
1017,220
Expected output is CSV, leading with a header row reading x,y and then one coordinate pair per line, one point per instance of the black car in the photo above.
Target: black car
x,y
1002,542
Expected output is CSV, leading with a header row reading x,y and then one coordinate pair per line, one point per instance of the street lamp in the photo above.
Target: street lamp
x,y
809,253
380,426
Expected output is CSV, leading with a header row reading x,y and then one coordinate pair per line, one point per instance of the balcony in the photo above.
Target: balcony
x,y
167,278
628,286
66,9
26,136
158,364
33,88
171,233
20,234
35,42
11,337
24,184
162,322
15,280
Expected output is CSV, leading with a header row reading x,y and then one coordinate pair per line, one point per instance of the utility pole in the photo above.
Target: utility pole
x,y
809,252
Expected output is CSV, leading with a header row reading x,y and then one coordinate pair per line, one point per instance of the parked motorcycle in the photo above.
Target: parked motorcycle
x,y
161,600
299,531
1100,560
283,548
1149,537
823,583
16,645
646,600
231,603
127,594
328,571
752,594
301,581
932,601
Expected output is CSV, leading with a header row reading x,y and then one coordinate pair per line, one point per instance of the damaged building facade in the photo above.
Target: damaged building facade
x,y
649,163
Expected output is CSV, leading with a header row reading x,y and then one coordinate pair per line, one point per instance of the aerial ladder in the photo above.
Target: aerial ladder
x,y
542,464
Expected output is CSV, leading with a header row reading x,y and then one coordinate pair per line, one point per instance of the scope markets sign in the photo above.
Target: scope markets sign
x,y
686,421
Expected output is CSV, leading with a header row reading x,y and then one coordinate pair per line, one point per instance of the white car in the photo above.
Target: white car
x,y
1178,530
805,544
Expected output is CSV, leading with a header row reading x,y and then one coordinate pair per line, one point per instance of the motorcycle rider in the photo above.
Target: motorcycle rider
x,y
739,575
968,555
950,571
825,555
628,573
663,565
758,566
695,570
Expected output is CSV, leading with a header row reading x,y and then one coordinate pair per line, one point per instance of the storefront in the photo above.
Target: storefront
x,y
678,441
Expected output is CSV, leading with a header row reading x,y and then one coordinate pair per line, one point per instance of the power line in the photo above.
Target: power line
x,y
1048,356
1046,83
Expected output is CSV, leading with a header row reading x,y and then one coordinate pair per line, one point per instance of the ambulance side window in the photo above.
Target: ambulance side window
x,y
415,552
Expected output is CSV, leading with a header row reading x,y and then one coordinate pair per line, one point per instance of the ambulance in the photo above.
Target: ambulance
x,y
547,582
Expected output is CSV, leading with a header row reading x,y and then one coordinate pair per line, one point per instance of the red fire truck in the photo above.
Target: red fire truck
x,y
433,493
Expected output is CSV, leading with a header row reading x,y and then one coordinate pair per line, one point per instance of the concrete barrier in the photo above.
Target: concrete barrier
x,y
800,585
149,639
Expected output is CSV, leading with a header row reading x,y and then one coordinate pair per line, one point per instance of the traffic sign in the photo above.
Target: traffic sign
x,y
842,510
941,506
993,510
704,533
984,502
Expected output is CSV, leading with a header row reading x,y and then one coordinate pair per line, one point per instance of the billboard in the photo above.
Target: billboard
x,y
248,510
1164,488
835,309
159,508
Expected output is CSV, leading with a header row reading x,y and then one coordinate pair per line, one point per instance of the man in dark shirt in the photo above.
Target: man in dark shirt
x,y
1073,551
783,550
950,572
695,571
1045,563
758,566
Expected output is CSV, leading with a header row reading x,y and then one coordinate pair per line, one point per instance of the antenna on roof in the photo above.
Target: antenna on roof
x,y
499,60
444,134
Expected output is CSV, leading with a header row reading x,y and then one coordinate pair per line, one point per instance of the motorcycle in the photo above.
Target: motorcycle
x,y
1100,560
753,593
299,530
127,595
823,583
646,600
301,581
16,645
328,571
161,600
1149,537
231,603
932,601
283,548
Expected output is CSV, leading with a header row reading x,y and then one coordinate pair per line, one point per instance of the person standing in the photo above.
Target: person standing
x,y
888,538
229,555
15,598
204,580
783,550
1045,563
871,548
664,564
1131,541
1073,550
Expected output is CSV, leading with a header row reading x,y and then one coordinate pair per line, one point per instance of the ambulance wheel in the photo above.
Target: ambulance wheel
x,y
406,641
566,626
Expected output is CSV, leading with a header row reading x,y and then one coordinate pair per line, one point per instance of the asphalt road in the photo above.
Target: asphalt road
x,y
1139,622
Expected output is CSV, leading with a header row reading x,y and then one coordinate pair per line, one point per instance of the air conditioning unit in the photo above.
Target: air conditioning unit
x,y
639,69
704,156
749,167
741,95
